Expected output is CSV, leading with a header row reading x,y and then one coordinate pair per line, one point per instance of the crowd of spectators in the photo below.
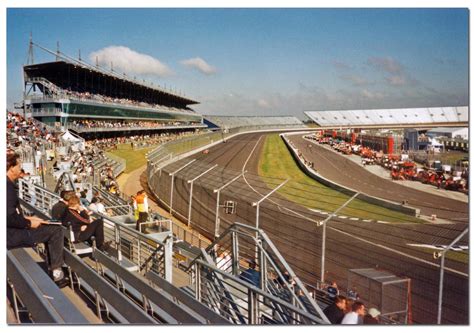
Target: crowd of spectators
x,y
87,96
93,123
77,206
348,310
139,141
26,136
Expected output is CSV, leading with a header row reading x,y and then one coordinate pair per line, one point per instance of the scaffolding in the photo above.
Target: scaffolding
x,y
383,290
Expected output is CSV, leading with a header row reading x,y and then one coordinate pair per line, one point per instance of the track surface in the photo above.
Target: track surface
x,y
349,244
334,166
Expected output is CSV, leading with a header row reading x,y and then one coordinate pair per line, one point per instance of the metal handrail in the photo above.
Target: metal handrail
x,y
119,232
269,259
259,301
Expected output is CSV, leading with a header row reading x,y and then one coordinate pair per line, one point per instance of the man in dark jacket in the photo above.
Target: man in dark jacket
x,y
59,210
335,311
27,232
251,275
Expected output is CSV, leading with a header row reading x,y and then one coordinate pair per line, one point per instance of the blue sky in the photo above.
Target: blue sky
x,y
263,61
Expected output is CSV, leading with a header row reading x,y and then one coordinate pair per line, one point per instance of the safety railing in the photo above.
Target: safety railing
x,y
81,129
29,284
241,302
185,145
149,252
59,93
247,252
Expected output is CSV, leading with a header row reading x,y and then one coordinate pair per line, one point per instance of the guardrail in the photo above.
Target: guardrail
x,y
30,285
241,302
149,252
175,150
80,129
240,245
362,196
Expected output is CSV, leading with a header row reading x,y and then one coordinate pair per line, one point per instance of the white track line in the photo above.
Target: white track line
x,y
253,189
347,234
399,252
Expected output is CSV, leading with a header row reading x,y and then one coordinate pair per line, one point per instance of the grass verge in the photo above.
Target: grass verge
x,y
277,164
134,158
462,257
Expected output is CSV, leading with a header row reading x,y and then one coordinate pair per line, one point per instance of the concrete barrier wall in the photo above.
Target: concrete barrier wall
x,y
362,196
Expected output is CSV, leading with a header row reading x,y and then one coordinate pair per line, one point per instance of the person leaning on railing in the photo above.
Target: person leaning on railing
x,y
27,232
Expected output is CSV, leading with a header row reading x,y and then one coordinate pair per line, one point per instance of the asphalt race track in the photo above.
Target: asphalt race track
x,y
292,228
334,166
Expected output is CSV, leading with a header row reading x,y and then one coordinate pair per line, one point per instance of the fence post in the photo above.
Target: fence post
x,y
235,253
197,281
441,273
252,303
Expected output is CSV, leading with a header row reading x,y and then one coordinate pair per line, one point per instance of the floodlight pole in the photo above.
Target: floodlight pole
x,y
154,164
172,183
218,191
441,273
191,191
257,221
323,223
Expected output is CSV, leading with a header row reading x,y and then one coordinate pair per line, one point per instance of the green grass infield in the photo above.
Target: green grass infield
x,y
276,164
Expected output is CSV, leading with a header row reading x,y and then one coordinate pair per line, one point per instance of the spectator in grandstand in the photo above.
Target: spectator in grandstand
x,y
84,201
97,206
251,275
287,278
58,211
336,311
83,226
27,232
224,261
356,315
372,317
142,205
332,290
353,294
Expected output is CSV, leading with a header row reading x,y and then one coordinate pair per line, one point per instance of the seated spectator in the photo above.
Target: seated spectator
x,y
58,211
356,315
353,294
332,290
336,311
27,232
97,206
372,317
84,201
224,261
251,275
287,277
82,225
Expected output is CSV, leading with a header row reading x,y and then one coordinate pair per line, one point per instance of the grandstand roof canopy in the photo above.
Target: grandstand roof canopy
x,y
81,78
237,121
385,118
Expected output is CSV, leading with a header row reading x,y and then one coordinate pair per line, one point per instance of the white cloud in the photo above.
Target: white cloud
x,y
397,74
263,103
129,61
372,95
355,80
199,64
396,80
386,64
341,65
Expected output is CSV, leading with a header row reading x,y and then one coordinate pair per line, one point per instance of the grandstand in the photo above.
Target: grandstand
x,y
72,94
142,278
238,121
150,275
392,118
